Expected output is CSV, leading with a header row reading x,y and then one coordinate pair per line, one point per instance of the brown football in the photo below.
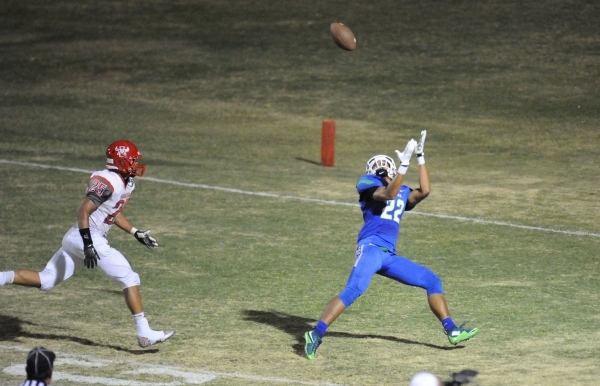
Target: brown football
x,y
343,36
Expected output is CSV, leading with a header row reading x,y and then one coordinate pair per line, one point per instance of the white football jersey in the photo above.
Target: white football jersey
x,y
110,193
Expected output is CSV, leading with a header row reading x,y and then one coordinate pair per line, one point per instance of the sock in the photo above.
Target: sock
x,y
448,324
321,328
141,324
144,331
7,277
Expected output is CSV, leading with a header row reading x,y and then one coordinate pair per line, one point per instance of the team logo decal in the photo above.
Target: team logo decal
x,y
359,251
122,150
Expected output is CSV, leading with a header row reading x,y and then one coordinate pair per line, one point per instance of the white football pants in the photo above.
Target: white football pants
x,y
70,257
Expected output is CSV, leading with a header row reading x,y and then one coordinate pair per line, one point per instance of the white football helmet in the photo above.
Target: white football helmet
x,y
382,166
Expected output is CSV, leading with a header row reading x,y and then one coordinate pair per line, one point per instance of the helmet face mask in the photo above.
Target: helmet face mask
x,y
122,156
382,166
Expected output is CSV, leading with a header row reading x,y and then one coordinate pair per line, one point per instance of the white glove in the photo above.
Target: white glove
x,y
144,238
420,148
405,156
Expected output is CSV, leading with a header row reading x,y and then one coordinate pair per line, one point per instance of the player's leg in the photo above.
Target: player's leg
x,y
367,263
313,338
146,336
133,299
114,265
332,310
24,277
408,272
27,278
438,305
60,267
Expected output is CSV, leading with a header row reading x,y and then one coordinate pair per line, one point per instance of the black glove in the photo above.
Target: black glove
x,y
90,256
144,238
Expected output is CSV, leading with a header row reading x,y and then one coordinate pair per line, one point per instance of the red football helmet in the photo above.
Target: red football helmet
x,y
123,156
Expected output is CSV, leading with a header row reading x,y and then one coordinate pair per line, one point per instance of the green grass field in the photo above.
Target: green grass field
x,y
225,100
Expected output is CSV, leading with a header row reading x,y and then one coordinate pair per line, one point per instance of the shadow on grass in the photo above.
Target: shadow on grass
x,y
308,161
12,330
296,326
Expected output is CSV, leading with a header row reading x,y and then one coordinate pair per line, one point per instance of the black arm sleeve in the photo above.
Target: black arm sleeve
x,y
408,204
367,194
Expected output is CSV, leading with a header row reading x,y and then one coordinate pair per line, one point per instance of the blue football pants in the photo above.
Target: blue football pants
x,y
372,259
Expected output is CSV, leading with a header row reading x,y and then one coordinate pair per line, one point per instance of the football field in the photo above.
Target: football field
x,y
225,100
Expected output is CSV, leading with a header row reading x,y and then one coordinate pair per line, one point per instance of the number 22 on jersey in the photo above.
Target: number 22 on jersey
x,y
393,210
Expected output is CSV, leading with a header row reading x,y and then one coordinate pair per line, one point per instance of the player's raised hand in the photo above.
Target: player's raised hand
x,y
421,148
144,238
90,256
421,143
406,155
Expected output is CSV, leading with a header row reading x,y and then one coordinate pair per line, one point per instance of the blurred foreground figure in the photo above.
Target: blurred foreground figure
x,y
40,364
425,379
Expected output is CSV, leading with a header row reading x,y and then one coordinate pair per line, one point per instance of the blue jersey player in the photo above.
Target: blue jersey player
x,y
383,200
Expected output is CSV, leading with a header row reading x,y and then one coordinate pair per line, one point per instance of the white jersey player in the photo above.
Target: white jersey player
x,y
85,243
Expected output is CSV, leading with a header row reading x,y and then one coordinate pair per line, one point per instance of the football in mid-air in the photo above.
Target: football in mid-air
x,y
343,36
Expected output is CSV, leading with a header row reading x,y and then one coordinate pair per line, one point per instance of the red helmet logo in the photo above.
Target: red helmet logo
x,y
123,156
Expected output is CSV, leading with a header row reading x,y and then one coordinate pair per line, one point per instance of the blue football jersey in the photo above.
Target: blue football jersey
x,y
382,219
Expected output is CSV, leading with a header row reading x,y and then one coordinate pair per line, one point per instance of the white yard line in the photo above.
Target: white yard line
x,y
328,202
179,377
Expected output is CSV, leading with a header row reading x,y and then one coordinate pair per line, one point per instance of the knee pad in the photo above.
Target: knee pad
x,y
349,295
433,284
49,279
132,279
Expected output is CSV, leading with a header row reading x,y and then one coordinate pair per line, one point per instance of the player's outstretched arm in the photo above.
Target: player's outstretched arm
x,y
142,236
389,192
424,189
122,222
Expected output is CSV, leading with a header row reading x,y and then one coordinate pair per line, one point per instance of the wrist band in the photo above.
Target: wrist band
x,y
402,169
86,236
133,230
421,159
